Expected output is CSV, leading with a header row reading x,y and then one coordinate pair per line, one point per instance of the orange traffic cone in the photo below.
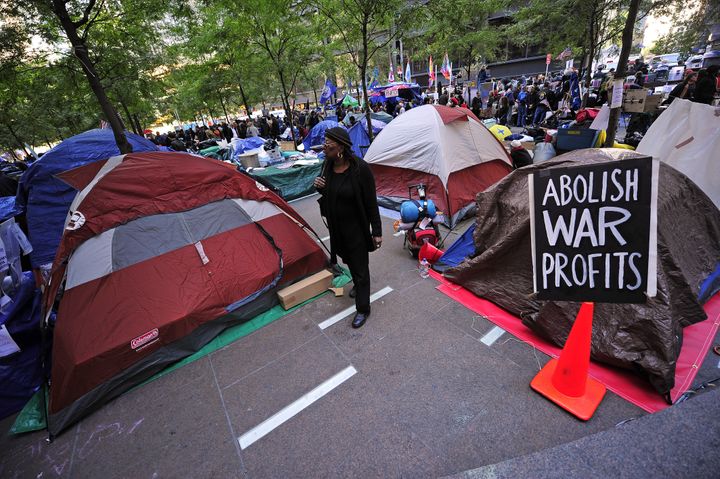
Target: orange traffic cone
x,y
430,253
565,381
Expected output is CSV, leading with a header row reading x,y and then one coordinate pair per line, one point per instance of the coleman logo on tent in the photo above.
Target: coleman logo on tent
x,y
261,187
76,221
144,339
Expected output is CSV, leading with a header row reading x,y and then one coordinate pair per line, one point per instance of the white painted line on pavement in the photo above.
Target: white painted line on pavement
x,y
492,336
346,312
399,233
292,409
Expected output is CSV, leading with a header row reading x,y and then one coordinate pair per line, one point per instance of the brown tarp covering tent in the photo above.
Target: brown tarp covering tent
x,y
644,337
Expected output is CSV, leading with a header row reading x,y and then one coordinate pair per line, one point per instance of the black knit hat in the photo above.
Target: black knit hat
x,y
339,135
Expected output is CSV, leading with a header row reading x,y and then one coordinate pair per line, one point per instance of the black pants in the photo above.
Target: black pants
x,y
358,260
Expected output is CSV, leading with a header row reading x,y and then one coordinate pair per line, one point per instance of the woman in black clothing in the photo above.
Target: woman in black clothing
x,y
685,89
349,204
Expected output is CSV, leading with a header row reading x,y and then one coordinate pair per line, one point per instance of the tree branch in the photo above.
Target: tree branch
x,y
91,22
86,14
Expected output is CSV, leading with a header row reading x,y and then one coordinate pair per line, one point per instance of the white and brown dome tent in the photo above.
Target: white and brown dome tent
x,y
162,252
447,149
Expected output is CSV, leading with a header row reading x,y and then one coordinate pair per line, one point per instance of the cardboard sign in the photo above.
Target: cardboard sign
x,y
617,93
391,92
594,231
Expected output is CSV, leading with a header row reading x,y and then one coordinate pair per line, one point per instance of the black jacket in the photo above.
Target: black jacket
x,y
520,157
363,184
704,90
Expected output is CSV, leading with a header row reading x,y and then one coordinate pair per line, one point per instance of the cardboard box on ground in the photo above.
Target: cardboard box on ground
x,y
287,146
305,289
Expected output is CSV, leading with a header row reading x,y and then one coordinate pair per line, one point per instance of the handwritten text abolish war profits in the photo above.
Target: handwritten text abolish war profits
x,y
584,227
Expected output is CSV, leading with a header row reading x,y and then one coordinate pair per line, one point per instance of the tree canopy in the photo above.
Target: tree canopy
x,y
139,63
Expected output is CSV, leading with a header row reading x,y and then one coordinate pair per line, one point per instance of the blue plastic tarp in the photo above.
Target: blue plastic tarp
x,y
710,286
45,200
21,373
7,207
241,145
317,134
458,251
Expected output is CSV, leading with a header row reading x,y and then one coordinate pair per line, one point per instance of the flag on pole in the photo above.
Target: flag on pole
x,y
431,73
327,91
567,53
446,68
408,72
399,70
391,75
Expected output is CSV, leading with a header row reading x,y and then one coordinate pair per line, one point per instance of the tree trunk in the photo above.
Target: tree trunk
x,y
222,103
18,140
286,105
245,102
363,72
622,67
590,54
139,127
129,117
315,93
80,50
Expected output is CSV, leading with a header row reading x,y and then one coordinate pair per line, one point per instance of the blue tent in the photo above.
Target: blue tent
x,y
377,125
360,139
458,251
45,200
317,134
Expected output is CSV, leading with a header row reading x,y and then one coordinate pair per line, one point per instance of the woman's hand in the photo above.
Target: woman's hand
x,y
319,182
378,241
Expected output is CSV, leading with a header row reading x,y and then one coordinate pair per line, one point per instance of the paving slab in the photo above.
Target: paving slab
x,y
681,441
258,396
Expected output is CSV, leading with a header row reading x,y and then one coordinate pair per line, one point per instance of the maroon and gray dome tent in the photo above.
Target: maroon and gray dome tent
x,y
447,149
161,253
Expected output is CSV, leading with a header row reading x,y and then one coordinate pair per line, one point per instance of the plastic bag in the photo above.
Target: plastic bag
x,y
543,152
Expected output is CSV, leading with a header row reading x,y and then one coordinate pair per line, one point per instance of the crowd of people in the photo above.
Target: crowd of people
x,y
522,101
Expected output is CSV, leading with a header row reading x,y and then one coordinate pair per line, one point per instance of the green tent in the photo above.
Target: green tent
x,y
349,101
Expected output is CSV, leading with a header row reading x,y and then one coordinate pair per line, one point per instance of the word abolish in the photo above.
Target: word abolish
x,y
612,185
591,230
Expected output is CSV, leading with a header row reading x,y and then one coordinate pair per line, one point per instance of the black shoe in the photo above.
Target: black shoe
x,y
359,320
352,292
